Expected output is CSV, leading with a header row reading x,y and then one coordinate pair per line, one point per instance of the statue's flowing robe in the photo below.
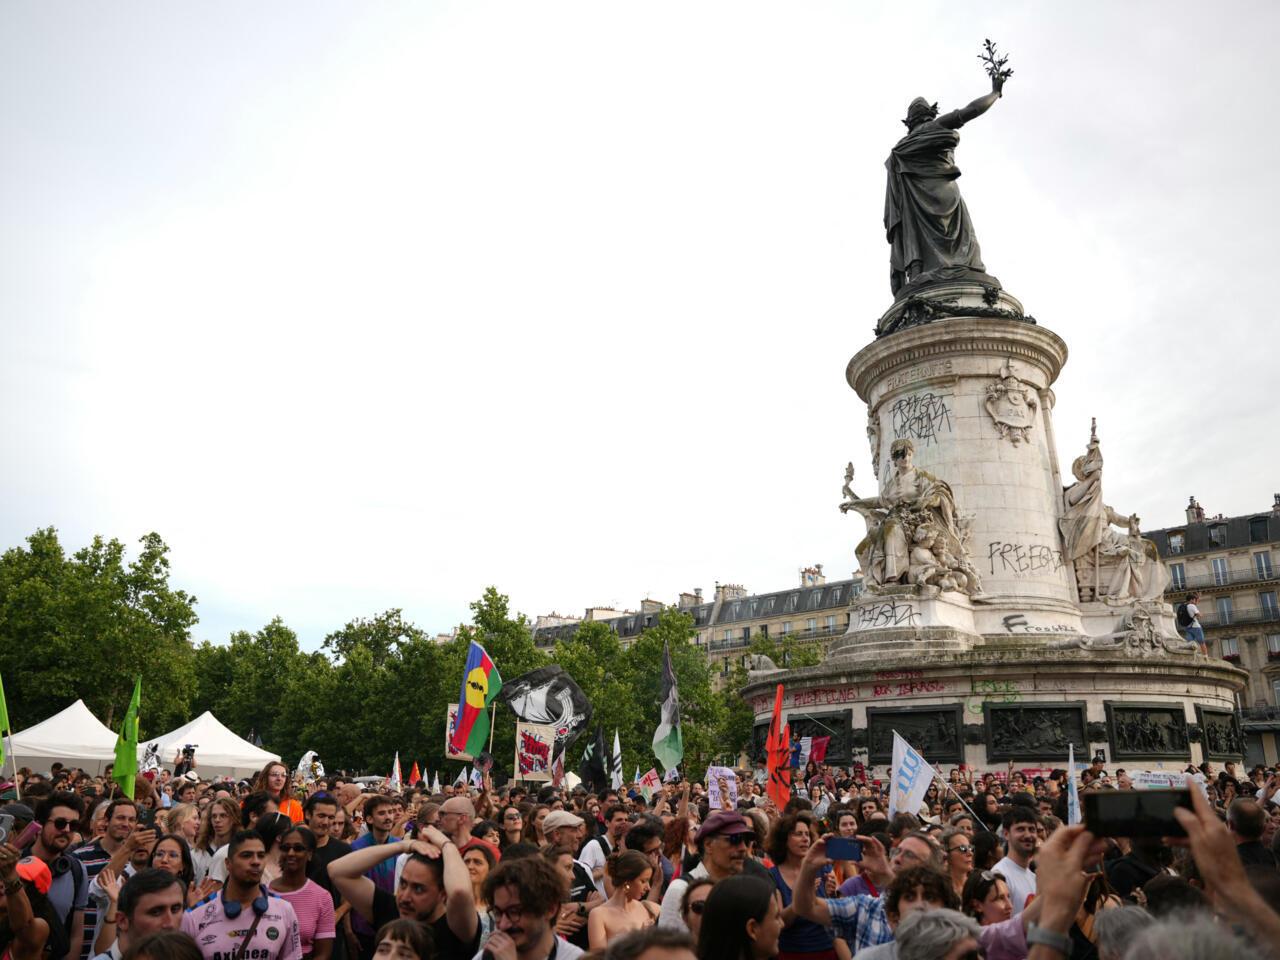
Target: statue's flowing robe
x,y
925,218
1084,524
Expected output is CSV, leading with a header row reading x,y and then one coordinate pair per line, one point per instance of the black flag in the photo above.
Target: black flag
x,y
593,769
549,695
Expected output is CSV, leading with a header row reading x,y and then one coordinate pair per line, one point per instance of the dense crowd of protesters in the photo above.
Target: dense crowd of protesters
x,y
278,869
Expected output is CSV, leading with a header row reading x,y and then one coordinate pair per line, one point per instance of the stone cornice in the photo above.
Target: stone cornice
x,y
959,336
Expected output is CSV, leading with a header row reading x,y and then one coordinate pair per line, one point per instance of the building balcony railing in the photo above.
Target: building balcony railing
x,y
1260,713
801,636
1230,578
1242,618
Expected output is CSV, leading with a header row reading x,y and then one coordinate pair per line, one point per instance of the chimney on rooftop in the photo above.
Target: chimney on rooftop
x,y
1195,512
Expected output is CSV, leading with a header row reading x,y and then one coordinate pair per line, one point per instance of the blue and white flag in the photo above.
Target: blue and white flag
x,y
909,778
1073,792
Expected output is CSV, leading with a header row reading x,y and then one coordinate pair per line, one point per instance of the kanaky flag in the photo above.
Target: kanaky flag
x,y
415,777
778,751
480,685
395,782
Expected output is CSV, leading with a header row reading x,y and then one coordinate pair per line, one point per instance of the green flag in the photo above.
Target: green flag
x,y
668,744
125,770
5,729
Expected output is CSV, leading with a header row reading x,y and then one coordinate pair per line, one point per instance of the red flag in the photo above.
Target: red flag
x,y
818,752
778,750
415,777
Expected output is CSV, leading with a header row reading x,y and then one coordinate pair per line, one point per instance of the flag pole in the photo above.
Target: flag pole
x,y
17,788
976,818
493,723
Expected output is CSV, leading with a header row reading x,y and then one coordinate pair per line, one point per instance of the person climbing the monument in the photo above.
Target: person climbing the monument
x,y
1189,621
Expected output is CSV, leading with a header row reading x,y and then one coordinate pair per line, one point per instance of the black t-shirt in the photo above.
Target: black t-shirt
x,y
447,944
581,888
320,861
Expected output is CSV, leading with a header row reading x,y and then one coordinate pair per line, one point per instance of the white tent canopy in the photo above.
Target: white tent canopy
x,y
218,750
74,736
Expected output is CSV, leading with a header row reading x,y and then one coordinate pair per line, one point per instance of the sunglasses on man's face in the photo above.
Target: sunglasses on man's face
x,y
734,839
62,823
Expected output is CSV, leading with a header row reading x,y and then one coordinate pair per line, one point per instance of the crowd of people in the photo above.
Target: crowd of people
x,y
194,868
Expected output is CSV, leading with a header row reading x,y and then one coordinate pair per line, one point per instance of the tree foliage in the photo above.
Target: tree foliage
x,y
85,625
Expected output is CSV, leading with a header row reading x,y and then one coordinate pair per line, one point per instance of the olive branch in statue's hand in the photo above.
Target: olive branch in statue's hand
x,y
994,64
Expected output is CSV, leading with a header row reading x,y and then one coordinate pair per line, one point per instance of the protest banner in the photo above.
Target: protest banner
x,y
533,751
449,726
715,775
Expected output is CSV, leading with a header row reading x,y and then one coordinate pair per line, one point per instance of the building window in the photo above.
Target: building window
x,y
1262,565
793,601
1258,530
829,624
835,595
1224,610
1230,647
746,634
1218,535
1178,575
737,609
1275,691
1273,645
811,626
727,636
764,629
848,620
786,627
815,598
768,606
1177,542
1267,601
1221,576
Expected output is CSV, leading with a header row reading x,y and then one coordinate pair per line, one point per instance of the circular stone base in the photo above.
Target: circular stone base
x,y
1013,700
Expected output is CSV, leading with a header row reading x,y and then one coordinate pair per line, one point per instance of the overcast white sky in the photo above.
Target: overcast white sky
x,y
373,305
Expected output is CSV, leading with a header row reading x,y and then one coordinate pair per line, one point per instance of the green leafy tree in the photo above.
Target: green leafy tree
x,y
88,625
786,651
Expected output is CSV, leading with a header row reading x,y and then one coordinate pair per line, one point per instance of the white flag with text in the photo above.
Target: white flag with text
x,y
909,778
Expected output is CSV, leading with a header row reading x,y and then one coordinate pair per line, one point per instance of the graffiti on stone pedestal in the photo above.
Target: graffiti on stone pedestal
x,y
1022,559
889,613
921,416
983,691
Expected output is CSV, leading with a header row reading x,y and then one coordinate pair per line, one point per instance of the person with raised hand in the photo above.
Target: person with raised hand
x,y
1214,849
1061,884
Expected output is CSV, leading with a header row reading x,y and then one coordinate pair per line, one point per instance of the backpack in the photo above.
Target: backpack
x,y
1184,618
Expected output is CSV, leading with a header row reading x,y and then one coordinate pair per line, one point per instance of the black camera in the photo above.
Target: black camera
x,y
189,751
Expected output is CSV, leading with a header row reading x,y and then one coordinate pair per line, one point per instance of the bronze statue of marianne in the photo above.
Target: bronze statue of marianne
x,y
925,219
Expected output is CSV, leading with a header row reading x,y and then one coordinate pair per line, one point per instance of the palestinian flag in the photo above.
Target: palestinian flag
x,y
668,744
480,685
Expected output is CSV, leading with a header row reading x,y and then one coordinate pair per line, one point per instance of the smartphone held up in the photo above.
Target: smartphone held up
x,y
1135,813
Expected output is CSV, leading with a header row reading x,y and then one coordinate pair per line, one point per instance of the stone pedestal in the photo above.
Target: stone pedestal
x,y
932,384
1021,668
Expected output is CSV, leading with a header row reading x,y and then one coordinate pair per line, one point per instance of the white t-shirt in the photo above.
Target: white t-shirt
x,y
218,865
1194,613
592,857
1022,882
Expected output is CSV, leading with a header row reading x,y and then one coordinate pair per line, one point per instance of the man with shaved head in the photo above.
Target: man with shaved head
x,y
457,816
